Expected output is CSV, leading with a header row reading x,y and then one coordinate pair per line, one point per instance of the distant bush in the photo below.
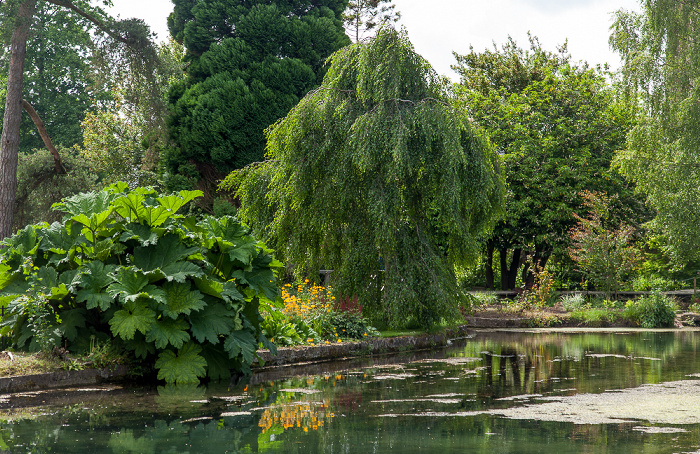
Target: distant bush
x,y
651,283
653,311
572,302
595,316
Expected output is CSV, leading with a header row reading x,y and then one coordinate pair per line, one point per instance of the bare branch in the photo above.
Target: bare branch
x,y
58,165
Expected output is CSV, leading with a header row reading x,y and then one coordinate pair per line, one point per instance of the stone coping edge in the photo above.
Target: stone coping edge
x,y
301,354
62,379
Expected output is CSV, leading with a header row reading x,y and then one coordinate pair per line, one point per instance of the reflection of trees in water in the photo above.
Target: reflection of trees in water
x,y
537,363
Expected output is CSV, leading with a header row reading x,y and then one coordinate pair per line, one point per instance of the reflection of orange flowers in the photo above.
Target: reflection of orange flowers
x,y
304,415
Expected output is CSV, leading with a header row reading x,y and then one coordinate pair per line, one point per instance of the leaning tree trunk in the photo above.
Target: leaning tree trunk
x,y
9,142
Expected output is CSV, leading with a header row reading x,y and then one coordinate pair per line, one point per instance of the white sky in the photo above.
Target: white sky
x,y
438,27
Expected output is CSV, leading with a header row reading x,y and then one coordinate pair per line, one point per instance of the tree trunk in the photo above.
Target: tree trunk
x,y
503,258
9,142
489,266
514,265
509,271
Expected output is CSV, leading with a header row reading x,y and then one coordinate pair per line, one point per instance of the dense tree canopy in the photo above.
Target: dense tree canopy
x,y
118,45
661,61
58,80
375,170
249,63
557,126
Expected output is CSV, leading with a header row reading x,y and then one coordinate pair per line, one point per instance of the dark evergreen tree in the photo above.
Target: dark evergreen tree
x,y
250,62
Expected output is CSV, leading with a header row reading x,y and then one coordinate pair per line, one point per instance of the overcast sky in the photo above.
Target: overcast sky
x,y
438,27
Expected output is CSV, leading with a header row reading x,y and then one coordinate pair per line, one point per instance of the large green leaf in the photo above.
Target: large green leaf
x,y
86,204
184,367
210,323
169,249
144,234
95,277
167,331
135,316
181,299
71,320
218,363
139,346
129,284
241,343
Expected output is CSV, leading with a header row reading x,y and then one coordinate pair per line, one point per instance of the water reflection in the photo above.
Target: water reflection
x,y
471,397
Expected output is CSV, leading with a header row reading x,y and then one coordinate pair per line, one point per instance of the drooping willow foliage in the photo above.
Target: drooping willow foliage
x,y
376,176
661,63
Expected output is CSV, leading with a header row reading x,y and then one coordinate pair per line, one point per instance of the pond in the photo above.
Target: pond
x,y
493,392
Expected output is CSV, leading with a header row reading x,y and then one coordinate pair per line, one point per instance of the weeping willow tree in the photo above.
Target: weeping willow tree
x,y
660,52
376,176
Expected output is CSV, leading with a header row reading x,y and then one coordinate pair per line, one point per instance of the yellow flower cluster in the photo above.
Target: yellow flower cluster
x,y
304,415
306,299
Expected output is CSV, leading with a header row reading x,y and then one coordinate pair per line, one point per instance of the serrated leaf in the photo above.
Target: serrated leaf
x,y
130,206
144,234
129,284
87,203
181,299
241,343
93,300
168,251
218,363
135,316
167,331
57,239
139,346
180,271
155,293
230,293
58,293
209,286
184,367
175,202
207,325
71,320
96,276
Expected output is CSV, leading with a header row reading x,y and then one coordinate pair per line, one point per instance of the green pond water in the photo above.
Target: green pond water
x,y
494,392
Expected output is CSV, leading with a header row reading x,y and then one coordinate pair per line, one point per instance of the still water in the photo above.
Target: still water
x,y
494,392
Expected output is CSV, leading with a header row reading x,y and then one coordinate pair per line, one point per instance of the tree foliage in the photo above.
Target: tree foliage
x,y
249,63
362,16
557,126
39,186
375,170
661,60
58,82
125,266
604,252
127,44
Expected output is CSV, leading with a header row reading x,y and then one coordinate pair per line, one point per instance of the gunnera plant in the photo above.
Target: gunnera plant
x,y
177,292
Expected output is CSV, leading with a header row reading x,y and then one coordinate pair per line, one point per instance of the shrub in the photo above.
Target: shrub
x,y
573,301
125,267
595,317
328,318
650,283
653,311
